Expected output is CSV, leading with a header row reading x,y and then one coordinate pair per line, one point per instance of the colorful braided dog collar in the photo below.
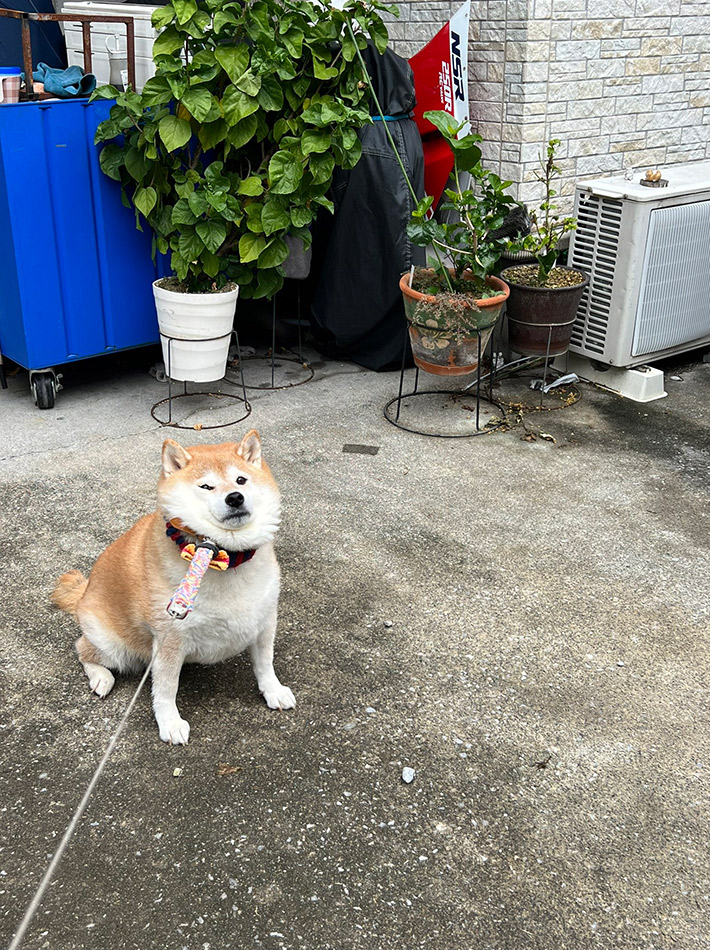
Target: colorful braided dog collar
x,y
222,560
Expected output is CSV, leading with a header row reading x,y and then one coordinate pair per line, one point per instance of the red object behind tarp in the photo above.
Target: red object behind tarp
x,y
441,82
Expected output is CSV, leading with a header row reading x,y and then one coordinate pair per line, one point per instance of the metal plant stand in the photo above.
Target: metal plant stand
x,y
392,415
189,395
284,359
529,362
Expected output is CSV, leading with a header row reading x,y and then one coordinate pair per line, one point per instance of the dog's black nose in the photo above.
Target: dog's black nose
x,y
235,499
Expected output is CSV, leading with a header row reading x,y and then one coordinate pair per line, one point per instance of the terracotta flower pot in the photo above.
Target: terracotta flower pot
x,y
542,316
445,352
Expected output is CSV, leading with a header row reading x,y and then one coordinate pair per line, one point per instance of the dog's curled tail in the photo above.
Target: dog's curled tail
x,y
69,590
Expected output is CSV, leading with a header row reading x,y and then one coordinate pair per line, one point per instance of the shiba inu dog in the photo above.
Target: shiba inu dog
x,y
224,493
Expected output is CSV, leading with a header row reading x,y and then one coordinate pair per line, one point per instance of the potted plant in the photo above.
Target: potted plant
x,y
452,306
230,148
544,295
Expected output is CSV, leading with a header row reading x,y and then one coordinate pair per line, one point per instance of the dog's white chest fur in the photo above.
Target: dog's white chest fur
x,y
231,609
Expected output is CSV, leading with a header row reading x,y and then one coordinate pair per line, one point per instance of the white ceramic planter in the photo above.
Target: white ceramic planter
x,y
195,332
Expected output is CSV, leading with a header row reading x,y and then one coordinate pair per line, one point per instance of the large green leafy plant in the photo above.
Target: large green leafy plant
x,y
478,205
231,146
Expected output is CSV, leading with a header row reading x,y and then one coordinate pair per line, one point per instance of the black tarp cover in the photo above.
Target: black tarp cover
x,y
363,250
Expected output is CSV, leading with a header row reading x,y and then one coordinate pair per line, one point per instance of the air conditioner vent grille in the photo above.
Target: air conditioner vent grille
x,y
674,296
596,246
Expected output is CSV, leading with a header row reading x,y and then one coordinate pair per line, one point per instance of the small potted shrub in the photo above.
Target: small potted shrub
x,y
544,295
230,148
456,302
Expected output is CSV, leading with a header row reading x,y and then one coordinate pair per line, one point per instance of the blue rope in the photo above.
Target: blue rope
x,y
391,118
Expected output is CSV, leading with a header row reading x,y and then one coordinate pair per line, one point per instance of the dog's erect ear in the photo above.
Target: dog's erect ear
x,y
174,457
250,448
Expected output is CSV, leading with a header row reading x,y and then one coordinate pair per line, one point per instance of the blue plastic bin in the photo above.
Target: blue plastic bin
x,y
75,273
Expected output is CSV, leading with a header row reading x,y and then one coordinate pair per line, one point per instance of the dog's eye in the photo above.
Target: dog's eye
x,y
207,487
241,480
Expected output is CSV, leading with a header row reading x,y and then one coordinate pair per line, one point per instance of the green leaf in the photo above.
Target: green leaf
x,y
168,42
445,123
182,213
249,83
184,10
293,41
104,92
351,156
324,112
199,23
198,103
250,186
190,244
111,159
210,263
136,163
237,105
285,173
274,217
301,217
222,18
269,282
198,204
254,218
378,34
270,97
145,200
274,254
213,233
234,60
212,133
243,131
325,202
174,132
162,16
321,71
156,91
321,168
315,140
250,247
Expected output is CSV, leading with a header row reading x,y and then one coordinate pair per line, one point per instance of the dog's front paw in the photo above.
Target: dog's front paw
x,y
101,681
279,697
174,729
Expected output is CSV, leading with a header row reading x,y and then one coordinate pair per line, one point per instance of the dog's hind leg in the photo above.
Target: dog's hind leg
x,y
100,678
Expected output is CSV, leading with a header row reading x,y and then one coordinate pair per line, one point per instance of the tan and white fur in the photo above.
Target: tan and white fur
x,y
222,492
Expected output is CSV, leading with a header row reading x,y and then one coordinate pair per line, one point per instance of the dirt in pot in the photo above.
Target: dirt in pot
x,y
558,277
178,287
429,283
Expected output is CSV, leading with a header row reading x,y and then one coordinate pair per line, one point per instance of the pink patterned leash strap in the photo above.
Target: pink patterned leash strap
x,y
183,600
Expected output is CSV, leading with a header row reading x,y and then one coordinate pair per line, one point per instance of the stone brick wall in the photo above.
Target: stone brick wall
x,y
622,83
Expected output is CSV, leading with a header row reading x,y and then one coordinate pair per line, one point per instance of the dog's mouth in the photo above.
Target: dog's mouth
x,y
240,514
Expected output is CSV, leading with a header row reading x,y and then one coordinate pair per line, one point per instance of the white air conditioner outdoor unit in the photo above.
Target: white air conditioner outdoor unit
x,y
647,251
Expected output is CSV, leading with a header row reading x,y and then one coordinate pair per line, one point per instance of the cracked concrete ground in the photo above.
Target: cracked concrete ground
x,y
524,623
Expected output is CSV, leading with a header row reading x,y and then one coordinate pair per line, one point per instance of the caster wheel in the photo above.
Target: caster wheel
x,y
43,390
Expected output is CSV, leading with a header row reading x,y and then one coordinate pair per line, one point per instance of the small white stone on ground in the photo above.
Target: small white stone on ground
x,y
408,775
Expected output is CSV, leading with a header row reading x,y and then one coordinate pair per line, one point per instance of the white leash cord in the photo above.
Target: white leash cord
x,y
64,843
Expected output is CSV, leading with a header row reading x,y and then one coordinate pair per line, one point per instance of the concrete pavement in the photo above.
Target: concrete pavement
x,y
524,623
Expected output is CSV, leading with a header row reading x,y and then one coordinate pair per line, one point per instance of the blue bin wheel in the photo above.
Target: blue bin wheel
x,y
43,390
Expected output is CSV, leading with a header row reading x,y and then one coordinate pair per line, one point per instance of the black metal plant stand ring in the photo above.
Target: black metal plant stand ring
x,y
282,359
488,399
189,395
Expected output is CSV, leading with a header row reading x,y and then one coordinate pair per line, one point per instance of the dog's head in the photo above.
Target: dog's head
x,y
225,492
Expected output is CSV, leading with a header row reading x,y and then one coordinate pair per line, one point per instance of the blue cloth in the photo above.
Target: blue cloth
x,y
69,83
